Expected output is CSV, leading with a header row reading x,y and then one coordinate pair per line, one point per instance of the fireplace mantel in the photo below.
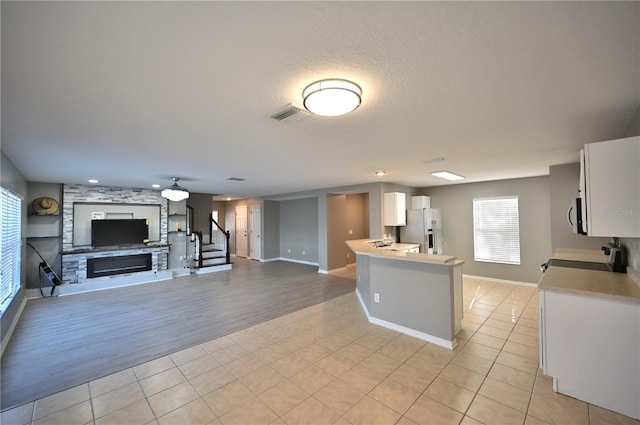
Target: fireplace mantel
x,y
89,250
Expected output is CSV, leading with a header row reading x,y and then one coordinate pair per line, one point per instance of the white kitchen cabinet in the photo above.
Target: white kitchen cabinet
x,y
590,346
394,209
611,183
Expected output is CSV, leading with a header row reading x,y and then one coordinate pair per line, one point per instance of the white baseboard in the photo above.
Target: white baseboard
x,y
100,284
12,326
292,260
364,306
407,331
492,279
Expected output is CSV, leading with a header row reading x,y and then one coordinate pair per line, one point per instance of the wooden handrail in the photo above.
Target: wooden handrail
x,y
199,236
227,236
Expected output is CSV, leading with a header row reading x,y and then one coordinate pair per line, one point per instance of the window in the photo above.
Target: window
x,y
496,230
10,245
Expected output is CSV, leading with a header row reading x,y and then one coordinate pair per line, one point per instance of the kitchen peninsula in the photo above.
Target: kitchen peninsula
x,y
416,294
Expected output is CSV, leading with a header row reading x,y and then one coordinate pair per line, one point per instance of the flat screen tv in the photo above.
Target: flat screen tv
x,y
109,232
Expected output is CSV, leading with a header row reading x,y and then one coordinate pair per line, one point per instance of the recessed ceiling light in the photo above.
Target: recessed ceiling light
x,y
155,186
93,181
447,175
380,173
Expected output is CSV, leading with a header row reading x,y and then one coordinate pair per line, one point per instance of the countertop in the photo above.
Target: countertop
x,y
620,286
588,255
397,246
364,246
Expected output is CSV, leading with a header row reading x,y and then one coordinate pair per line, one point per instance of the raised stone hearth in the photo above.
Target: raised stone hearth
x,y
75,268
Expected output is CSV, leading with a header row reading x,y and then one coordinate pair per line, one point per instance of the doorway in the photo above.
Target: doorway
x,y
255,232
241,231
347,219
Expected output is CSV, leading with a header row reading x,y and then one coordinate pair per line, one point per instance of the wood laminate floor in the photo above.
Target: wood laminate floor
x,y
65,341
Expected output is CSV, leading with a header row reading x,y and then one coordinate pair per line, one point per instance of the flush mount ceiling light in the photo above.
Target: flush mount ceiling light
x,y
447,175
380,173
175,192
332,97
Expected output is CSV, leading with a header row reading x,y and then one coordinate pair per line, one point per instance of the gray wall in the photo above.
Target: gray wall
x,y
13,180
270,230
456,203
415,295
374,193
221,207
563,187
299,229
202,205
41,231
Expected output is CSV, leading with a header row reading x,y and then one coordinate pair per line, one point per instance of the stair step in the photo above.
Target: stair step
x,y
213,261
211,247
213,254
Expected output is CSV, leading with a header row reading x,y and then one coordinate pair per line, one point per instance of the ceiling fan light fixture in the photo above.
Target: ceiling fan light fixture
x,y
175,192
332,97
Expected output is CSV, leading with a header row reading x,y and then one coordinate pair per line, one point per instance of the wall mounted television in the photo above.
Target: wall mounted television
x,y
113,232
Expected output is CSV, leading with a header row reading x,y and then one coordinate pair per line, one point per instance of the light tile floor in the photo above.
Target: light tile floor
x,y
326,364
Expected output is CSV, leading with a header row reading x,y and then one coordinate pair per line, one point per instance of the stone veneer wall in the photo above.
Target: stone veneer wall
x,y
74,264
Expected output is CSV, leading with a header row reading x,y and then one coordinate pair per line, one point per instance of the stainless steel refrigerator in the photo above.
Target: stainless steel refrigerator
x,y
424,226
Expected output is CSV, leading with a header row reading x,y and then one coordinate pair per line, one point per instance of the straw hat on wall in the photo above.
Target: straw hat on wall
x,y
45,206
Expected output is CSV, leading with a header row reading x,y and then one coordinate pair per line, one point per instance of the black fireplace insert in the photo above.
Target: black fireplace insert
x,y
107,266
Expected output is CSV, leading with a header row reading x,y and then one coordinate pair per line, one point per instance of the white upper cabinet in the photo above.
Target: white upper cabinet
x,y
394,209
612,187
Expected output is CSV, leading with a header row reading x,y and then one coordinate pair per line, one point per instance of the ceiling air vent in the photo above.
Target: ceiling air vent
x,y
290,114
236,179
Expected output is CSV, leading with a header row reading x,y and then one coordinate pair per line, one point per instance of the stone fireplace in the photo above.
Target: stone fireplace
x,y
81,264
119,264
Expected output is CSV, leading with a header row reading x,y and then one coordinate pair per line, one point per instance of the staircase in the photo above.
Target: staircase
x,y
211,255
212,252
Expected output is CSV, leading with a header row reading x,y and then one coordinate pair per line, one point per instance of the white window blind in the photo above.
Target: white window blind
x,y
10,244
496,230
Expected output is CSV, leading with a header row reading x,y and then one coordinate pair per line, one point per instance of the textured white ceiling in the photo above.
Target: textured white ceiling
x,y
133,93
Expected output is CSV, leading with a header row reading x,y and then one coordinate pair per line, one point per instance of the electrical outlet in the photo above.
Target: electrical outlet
x,y
289,250
347,255
303,253
350,232
376,297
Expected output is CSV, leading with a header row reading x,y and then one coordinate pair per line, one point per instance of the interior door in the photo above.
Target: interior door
x,y
255,233
241,231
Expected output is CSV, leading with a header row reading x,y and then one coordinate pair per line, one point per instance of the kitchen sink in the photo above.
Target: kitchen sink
x,y
586,265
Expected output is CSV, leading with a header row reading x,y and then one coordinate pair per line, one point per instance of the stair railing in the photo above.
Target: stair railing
x,y
196,236
227,237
